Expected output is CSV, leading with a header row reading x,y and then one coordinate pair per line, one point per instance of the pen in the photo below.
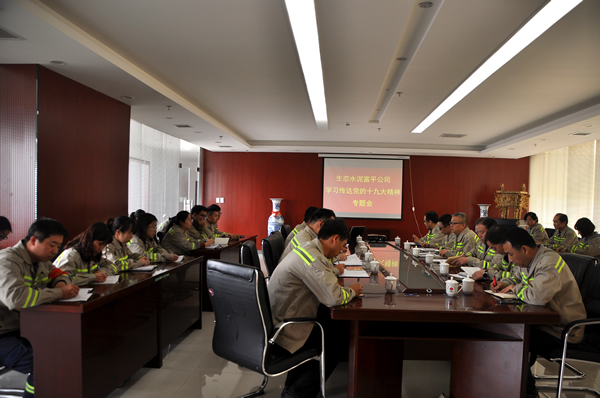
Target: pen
x,y
495,284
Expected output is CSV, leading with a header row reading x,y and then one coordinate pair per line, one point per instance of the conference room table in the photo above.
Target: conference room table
x,y
486,342
89,348
230,253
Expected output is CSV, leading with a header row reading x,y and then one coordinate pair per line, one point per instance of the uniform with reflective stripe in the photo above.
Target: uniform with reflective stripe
x,y
81,272
566,239
121,257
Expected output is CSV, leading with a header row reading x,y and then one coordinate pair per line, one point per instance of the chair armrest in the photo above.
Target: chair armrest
x,y
580,322
289,321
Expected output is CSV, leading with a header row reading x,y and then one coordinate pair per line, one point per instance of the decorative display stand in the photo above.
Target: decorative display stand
x,y
517,200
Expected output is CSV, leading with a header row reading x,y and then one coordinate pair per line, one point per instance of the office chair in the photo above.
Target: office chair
x,y
244,331
550,231
249,254
9,378
272,250
589,348
285,231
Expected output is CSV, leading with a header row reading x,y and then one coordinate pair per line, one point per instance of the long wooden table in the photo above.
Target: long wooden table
x,y
230,253
87,349
487,342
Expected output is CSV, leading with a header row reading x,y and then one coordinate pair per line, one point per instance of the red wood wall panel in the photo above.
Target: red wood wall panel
x,y
83,153
444,184
18,102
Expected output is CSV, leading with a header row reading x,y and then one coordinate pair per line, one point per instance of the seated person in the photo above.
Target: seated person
x,y
309,212
449,238
29,279
564,237
198,230
5,228
177,239
143,242
535,229
435,235
82,258
116,252
482,255
136,214
499,267
310,232
302,283
212,218
541,277
589,244
465,238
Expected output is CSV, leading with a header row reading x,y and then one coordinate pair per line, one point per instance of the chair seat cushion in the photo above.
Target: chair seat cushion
x,y
280,363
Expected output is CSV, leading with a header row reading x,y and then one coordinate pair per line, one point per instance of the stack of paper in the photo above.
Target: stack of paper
x,y
84,294
352,260
109,280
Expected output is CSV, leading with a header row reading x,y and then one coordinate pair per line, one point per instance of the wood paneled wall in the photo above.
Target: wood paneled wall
x,y
444,184
83,153
18,104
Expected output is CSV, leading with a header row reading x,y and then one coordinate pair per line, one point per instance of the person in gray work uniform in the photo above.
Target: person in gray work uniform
x,y
435,235
564,237
307,214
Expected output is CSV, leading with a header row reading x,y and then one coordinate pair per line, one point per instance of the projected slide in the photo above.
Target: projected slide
x,y
363,188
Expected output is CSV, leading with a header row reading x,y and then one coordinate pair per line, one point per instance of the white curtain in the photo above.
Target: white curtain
x,y
566,181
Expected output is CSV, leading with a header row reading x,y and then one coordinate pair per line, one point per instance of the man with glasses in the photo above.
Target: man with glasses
x,y
198,230
448,237
435,235
466,240
213,216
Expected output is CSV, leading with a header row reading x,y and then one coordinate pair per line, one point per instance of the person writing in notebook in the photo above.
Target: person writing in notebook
x,y
28,279
117,252
541,277
143,242
177,239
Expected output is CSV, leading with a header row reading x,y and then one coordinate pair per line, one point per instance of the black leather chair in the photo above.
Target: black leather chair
x,y
285,231
8,379
244,331
272,250
249,254
550,231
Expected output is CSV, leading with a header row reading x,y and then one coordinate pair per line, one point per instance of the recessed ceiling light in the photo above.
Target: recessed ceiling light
x,y
127,97
57,62
182,126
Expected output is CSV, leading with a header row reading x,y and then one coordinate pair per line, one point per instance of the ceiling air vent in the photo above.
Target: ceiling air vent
x,y
183,126
580,133
225,146
6,35
453,135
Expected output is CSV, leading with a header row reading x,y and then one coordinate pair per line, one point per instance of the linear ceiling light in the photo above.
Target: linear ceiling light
x,y
542,21
303,20
421,18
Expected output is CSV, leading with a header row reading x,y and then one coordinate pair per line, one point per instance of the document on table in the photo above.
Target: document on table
x,y
179,259
352,260
502,295
470,270
84,294
145,268
213,246
350,273
111,279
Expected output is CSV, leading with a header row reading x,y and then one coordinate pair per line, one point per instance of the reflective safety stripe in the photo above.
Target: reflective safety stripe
x,y
295,242
114,267
559,264
28,298
82,270
346,295
521,293
124,263
29,388
304,255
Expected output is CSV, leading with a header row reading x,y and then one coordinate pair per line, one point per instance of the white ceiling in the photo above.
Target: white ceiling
x,y
229,68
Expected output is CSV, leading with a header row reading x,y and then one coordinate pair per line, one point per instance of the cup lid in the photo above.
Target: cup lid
x,y
390,277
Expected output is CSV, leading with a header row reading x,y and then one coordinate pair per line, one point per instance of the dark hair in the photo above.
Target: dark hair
x,y
197,209
332,227
463,216
432,216
585,226
531,214
495,234
5,224
321,214
178,219
142,224
213,208
121,223
136,214
563,218
518,237
83,242
445,219
488,222
44,228
309,212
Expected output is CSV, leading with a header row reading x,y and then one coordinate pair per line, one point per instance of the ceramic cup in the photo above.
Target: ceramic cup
x,y
452,287
429,258
397,241
407,246
390,283
468,285
444,268
374,266
416,251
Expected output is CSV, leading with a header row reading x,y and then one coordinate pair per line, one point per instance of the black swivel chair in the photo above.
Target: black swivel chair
x,y
244,330
550,231
285,231
272,250
589,348
249,254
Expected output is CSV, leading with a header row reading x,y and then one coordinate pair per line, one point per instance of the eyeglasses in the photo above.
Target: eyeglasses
x,y
202,215
454,223
3,237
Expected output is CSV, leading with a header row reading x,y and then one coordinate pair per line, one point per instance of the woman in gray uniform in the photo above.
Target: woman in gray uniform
x,y
143,242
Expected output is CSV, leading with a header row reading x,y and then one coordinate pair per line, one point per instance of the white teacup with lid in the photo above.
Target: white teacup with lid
x,y
407,246
468,285
397,241
391,283
429,258
452,287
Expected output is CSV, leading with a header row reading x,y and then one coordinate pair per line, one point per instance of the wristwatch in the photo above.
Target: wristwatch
x,y
486,276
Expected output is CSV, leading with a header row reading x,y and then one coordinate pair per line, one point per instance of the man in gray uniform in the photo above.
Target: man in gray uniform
x,y
307,214
541,277
435,235
564,237
466,240
309,232
27,279
303,285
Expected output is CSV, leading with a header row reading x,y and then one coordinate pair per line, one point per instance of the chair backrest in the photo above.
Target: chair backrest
x,y
550,231
578,264
285,231
243,322
272,250
249,254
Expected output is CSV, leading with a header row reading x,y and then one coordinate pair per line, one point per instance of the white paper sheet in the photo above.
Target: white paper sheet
x,y
84,294
111,279
350,273
352,260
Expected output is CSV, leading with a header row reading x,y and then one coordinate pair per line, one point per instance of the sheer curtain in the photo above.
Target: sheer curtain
x,y
566,181
154,169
